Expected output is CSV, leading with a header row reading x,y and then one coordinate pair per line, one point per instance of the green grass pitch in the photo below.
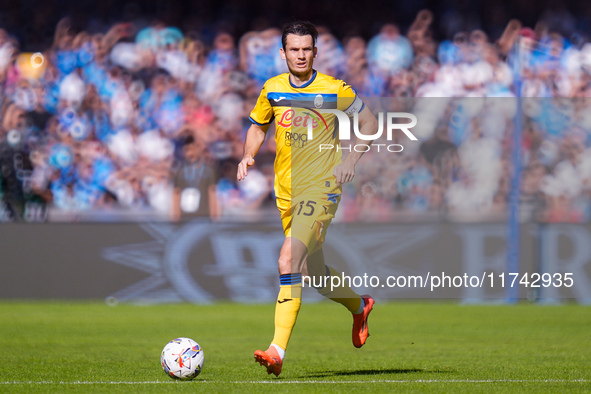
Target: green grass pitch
x,y
421,347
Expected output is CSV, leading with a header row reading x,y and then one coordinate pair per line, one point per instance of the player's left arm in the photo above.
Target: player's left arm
x,y
368,125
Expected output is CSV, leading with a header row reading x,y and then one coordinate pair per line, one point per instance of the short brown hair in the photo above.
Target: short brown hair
x,y
299,28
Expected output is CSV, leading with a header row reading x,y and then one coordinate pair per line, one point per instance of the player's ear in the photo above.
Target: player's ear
x,y
282,53
315,52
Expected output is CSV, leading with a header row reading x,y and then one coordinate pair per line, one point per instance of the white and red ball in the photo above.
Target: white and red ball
x,y
182,358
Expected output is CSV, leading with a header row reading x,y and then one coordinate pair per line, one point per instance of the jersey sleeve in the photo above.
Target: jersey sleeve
x,y
262,113
348,101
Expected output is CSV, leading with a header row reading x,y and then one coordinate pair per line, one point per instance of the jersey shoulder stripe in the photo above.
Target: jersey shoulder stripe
x,y
261,124
303,100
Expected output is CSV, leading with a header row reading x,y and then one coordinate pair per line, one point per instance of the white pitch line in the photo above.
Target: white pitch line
x,y
316,381
415,381
87,382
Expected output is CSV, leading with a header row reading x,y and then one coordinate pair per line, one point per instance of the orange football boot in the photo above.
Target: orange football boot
x,y
269,359
360,329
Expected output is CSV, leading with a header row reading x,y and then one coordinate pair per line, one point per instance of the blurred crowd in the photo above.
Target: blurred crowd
x,y
151,120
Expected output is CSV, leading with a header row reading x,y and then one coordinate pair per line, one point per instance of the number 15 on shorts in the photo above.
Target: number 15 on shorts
x,y
305,208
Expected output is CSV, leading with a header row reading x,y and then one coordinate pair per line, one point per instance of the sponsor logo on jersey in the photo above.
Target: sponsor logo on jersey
x,y
288,119
296,140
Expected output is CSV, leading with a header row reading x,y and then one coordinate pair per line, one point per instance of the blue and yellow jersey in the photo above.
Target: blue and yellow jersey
x,y
300,165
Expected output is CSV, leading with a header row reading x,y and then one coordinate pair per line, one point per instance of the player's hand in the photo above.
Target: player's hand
x,y
246,162
344,172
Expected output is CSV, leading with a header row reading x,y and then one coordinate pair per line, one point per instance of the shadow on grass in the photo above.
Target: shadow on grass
x,y
361,372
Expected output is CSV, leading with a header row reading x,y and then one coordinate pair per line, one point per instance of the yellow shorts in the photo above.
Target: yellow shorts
x,y
307,217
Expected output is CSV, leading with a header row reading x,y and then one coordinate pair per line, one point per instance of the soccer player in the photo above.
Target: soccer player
x,y
308,179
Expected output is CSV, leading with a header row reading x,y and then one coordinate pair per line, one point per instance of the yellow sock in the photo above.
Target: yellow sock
x,y
288,305
341,294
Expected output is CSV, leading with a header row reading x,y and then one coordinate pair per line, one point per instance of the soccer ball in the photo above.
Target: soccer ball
x,y
182,358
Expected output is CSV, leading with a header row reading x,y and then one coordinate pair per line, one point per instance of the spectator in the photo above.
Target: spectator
x,y
194,183
97,123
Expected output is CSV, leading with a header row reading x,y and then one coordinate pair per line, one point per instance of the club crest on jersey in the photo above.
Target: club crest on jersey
x,y
318,101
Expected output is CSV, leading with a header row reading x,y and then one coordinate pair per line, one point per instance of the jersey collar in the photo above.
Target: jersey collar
x,y
304,85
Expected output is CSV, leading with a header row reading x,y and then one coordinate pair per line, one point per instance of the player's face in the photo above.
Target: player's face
x,y
299,54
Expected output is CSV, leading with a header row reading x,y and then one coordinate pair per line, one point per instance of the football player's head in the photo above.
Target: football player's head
x,y
299,47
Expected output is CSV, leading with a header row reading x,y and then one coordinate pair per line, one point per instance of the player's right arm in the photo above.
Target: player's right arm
x,y
261,117
254,140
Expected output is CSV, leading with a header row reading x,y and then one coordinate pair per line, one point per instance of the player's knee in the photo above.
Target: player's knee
x,y
285,265
292,258
288,265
